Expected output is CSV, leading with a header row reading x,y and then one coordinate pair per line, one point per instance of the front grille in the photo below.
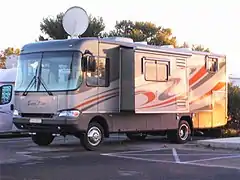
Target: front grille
x,y
37,115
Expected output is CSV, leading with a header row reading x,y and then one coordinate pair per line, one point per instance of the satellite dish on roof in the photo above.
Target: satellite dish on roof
x,y
75,21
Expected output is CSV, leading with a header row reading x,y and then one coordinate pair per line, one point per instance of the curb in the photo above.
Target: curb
x,y
219,145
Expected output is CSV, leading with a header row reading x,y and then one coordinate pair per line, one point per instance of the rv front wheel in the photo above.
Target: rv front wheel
x,y
42,139
93,138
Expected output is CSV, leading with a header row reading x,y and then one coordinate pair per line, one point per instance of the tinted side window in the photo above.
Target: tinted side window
x,y
5,94
212,64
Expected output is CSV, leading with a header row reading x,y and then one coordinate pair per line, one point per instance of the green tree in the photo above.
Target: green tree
x,y
234,102
7,52
194,47
200,48
52,28
144,31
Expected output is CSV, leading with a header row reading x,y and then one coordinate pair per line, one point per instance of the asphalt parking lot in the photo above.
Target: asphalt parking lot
x,y
116,160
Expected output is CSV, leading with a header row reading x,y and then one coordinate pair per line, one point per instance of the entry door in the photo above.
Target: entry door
x,y
219,116
106,95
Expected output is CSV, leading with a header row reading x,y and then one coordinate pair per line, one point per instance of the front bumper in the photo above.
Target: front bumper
x,y
49,125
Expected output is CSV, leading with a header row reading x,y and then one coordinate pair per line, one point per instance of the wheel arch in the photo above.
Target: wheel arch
x,y
102,121
188,119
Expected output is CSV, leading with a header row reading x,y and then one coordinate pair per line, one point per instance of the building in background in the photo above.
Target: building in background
x,y
11,61
234,79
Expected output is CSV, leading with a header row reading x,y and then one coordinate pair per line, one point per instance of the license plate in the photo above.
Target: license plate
x,y
35,120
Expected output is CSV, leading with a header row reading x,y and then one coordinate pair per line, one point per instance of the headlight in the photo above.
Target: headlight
x,y
15,113
72,113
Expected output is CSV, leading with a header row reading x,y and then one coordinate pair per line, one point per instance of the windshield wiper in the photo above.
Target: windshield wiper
x,y
33,82
40,80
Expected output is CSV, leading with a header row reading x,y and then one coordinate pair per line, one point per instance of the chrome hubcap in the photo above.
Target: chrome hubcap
x,y
184,132
94,136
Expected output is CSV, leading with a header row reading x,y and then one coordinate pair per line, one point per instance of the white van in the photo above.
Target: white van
x,y
7,84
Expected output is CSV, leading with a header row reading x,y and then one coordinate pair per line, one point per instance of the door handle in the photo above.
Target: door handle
x,y
11,107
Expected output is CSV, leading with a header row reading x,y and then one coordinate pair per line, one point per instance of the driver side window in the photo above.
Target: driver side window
x,y
100,76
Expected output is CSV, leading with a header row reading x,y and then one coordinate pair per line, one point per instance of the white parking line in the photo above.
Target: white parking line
x,y
213,166
129,154
137,151
163,154
215,158
175,155
137,158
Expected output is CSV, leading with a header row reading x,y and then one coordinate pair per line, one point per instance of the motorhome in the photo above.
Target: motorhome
x,y
91,87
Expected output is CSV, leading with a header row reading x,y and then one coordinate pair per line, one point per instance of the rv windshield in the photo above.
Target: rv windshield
x,y
58,71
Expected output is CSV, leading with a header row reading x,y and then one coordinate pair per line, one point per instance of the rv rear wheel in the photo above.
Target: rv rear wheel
x,y
182,134
93,138
42,139
136,136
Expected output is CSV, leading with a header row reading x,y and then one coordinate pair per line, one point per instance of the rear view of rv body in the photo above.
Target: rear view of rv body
x,y
90,87
208,90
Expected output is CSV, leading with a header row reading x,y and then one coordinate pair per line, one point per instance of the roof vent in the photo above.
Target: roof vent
x,y
167,46
188,49
121,39
141,42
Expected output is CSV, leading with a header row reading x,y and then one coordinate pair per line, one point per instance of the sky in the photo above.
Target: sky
x,y
214,24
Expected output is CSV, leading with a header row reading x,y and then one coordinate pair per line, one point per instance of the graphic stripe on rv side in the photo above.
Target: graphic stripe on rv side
x,y
218,86
167,101
94,99
201,77
150,96
110,90
92,105
200,73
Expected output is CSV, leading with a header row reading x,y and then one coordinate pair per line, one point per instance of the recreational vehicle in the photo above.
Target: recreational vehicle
x,y
91,87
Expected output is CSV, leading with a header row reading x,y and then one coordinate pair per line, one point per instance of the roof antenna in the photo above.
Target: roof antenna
x,y
75,21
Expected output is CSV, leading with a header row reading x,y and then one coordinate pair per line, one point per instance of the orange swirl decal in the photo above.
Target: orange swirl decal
x,y
217,87
197,76
150,95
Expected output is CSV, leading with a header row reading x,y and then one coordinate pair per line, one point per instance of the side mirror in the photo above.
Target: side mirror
x,y
88,63
84,63
91,64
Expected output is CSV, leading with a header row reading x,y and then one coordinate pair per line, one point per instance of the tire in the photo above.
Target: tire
x,y
182,134
42,139
92,143
136,136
